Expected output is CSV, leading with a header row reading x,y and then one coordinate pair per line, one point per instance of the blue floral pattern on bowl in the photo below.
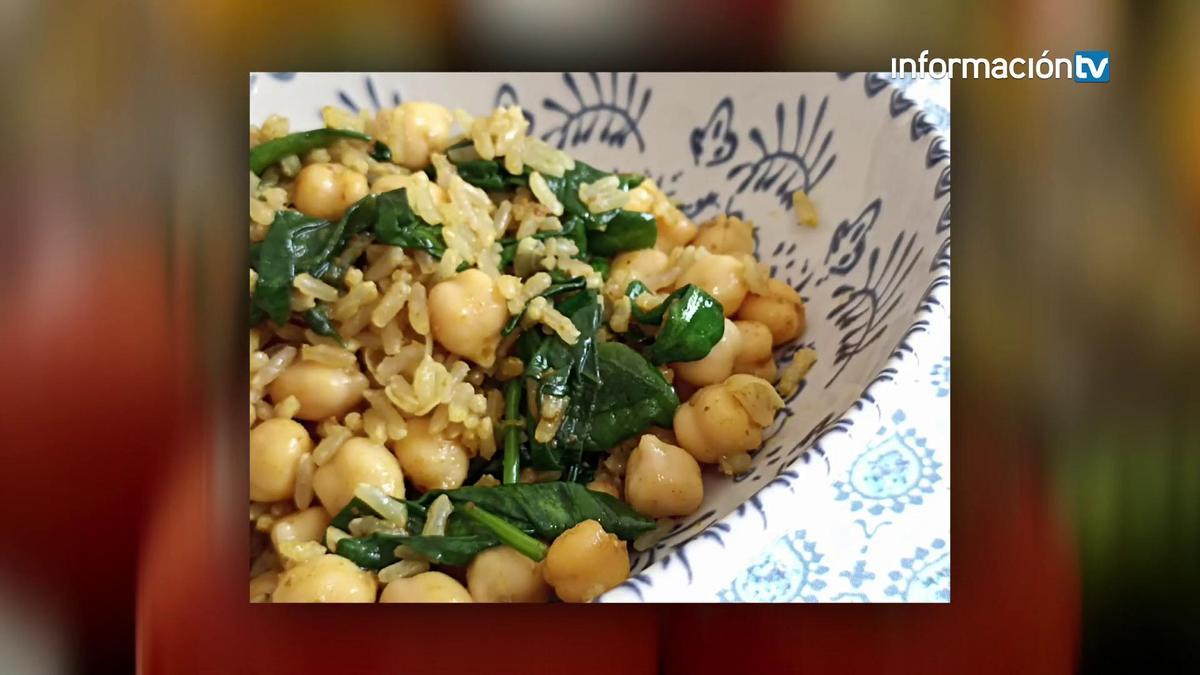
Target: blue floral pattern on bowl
x,y
861,452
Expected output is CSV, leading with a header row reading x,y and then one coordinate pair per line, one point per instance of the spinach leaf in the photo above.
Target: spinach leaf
x,y
298,243
488,175
633,396
692,323
396,224
548,509
264,155
601,265
544,510
357,508
378,550
626,231
570,372
506,532
629,181
380,152
317,319
295,244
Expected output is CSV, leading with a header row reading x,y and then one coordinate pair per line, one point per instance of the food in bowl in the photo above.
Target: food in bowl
x,y
480,368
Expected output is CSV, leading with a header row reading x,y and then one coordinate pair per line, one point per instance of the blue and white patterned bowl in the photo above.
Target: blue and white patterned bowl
x,y
850,450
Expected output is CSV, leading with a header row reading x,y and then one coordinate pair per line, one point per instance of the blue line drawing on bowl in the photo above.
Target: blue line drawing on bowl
x,y
374,102
873,83
939,377
790,570
849,241
506,95
859,575
939,150
894,473
278,77
804,168
719,133
920,126
868,535
943,222
941,259
862,312
619,107
925,577
942,188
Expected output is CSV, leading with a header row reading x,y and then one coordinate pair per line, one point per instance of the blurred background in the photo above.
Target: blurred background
x,y
1076,420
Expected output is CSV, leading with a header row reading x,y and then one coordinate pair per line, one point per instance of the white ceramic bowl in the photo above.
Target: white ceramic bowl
x,y
874,272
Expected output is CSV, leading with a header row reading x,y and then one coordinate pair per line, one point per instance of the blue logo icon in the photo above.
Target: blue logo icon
x,y
1091,66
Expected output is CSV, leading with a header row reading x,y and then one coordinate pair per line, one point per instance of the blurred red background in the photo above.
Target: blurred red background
x,y
1077,447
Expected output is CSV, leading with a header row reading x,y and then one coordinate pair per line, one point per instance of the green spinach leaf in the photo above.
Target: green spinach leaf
x,y
633,396
317,319
396,224
296,243
570,372
692,323
548,509
626,231
264,155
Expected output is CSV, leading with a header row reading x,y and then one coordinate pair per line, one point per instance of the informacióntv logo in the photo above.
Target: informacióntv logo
x,y
1087,66
1091,66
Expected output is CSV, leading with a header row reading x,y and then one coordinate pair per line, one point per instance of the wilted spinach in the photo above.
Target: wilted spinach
x,y
548,509
570,372
264,155
297,243
692,323
626,231
317,319
633,396
544,510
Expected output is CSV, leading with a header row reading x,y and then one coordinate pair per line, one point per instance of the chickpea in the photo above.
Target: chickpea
x,y
767,369
329,578
466,313
782,312
430,461
662,480
425,587
713,423
306,525
501,574
358,461
755,357
276,446
414,131
645,265
674,230
584,562
717,365
327,190
726,234
721,276
756,342
323,391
